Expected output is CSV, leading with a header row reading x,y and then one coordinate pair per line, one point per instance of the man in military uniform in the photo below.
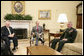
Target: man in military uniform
x,y
68,36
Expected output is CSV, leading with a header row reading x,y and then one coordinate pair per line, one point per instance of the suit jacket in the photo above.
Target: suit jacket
x,y
34,30
69,34
5,32
4,48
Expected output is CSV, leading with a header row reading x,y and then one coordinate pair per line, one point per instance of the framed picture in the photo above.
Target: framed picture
x,y
18,7
44,14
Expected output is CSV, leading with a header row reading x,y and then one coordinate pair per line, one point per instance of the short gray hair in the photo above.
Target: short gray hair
x,y
7,22
69,22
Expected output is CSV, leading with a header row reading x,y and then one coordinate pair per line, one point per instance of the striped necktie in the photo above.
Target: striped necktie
x,y
37,28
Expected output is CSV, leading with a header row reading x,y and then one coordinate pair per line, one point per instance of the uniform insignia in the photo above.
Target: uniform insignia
x,y
70,31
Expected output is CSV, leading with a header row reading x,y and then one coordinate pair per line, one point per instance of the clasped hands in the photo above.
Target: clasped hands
x,y
62,39
37,34
11,35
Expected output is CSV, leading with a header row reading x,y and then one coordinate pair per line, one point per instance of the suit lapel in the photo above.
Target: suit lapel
x,y
6,30
36,28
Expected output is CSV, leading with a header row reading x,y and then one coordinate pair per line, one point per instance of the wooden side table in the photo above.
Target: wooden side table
x,y
55,35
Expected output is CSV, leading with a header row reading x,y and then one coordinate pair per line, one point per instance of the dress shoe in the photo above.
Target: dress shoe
x,y
43,42
13,49
36,44
16,47
11,53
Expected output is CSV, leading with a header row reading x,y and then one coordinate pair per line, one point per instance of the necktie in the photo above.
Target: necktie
x,y
37,28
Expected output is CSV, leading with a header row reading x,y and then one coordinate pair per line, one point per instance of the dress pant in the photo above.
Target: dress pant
x,y
15,41
38,38
60,45
7,41
54,42
7,50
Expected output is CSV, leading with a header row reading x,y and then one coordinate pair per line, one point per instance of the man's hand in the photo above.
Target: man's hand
x,y
64,39
40,34
12,35
57,38
33,33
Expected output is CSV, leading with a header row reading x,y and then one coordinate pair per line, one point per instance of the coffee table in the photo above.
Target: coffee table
x,y
42,50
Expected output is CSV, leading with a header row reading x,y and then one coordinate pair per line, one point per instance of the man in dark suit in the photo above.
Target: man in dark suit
x,y
37,32
5,50
67,37
8,34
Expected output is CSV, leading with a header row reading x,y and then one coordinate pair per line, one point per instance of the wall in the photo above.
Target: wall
x,y
56,7
5,9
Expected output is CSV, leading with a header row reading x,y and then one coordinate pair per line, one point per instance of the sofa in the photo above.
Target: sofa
x,y
76,47
71,48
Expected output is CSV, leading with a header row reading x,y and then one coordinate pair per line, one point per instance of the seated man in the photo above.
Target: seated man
x,y
67,37
37,32
5,49
8,34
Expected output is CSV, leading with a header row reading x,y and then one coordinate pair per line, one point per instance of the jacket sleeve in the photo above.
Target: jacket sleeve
x,y
41,31
3,32
12,30
62,36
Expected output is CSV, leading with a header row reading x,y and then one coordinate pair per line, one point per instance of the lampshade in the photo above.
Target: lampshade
x,y
62,18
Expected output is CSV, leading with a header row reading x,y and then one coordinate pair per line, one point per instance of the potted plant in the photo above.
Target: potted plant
x,y
27,17
19,17
9,17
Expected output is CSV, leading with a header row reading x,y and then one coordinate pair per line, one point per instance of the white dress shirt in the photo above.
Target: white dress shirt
x,y
9,30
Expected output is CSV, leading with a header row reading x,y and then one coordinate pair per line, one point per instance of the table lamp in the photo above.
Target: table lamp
x,y
62,19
